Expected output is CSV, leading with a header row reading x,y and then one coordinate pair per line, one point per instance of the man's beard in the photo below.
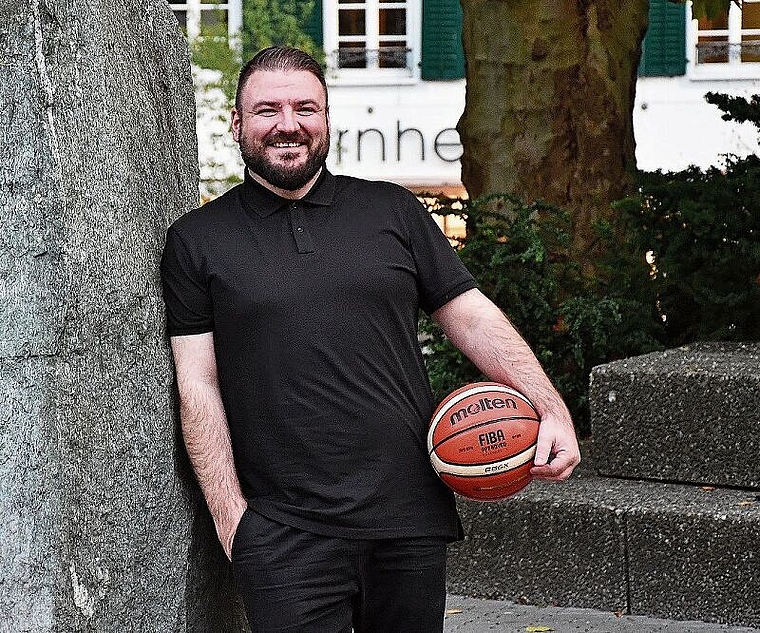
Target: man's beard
x,y
281,175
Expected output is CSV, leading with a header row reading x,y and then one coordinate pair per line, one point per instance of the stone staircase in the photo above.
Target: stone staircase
x,y
662,517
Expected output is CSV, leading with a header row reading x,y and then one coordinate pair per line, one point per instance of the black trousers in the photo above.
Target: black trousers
x,y
292,580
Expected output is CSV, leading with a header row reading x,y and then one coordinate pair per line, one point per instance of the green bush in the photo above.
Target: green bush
x,y
520,256
702,230
682,265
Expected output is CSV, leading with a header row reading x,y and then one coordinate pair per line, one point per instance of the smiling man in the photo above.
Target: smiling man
x,y
280,122
292,304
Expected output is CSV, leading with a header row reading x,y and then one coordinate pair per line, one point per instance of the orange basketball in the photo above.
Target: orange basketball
x,y
482,441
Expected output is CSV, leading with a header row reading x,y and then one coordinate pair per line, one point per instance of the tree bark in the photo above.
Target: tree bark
x,y
98,155
550,91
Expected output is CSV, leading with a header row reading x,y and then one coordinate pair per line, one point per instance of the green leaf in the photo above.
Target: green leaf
x,y
709,9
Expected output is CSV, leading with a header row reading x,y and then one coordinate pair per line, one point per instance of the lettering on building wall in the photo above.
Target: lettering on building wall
x,y
408,143
360,135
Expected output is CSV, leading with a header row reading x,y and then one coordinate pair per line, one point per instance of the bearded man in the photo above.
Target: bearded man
x,y
292,304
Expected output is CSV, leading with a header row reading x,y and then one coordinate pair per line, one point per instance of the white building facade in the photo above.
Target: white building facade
x,y
397,88
683,59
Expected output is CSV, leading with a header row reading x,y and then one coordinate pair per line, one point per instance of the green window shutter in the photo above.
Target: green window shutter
x,y
313,26
663,52
442,52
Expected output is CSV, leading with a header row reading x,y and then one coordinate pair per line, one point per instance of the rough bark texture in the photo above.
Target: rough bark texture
x,y
98,155
550,90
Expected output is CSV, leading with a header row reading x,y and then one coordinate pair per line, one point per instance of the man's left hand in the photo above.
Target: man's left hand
x,y
557,453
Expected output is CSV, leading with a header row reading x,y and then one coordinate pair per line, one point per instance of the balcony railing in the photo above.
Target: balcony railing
x,y
392,57
725,52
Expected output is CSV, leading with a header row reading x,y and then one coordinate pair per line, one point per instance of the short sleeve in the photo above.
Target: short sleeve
x,y
441,275
189,308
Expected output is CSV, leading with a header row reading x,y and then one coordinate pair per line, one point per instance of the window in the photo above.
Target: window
x,y
732,37
196,17
370,40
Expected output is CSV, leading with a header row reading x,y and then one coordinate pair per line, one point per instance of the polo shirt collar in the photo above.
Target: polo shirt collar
x,y
257,198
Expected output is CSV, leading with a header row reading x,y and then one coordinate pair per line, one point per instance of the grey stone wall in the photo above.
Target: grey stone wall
x,y
98,516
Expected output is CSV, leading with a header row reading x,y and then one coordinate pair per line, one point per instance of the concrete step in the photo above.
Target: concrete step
x,y
471,615
688,415
662,550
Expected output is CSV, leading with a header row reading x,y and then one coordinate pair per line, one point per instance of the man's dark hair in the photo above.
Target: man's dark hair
x,y
282,58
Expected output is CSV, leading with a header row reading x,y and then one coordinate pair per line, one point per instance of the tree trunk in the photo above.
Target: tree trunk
x,y
550,91
98,155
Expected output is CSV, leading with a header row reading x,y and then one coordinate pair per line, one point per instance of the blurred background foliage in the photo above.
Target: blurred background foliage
x,y
682,264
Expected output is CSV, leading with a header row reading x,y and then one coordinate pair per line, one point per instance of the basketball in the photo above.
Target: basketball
x,y
482,441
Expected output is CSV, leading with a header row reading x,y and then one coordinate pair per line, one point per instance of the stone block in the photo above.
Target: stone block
x,y
689,415
695,554
560,545
642,548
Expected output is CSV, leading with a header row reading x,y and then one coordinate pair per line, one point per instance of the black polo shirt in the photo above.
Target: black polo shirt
x,y
314,305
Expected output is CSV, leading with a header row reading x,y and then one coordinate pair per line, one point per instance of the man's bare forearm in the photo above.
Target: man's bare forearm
x,y
484,334
207,440
206,433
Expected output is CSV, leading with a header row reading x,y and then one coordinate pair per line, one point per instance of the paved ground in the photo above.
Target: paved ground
x,y
468,615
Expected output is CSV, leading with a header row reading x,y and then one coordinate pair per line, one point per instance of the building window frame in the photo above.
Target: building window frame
x,y
338,51
193,10
727,43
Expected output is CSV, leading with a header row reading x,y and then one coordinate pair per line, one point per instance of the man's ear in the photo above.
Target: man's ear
x,y
236,122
